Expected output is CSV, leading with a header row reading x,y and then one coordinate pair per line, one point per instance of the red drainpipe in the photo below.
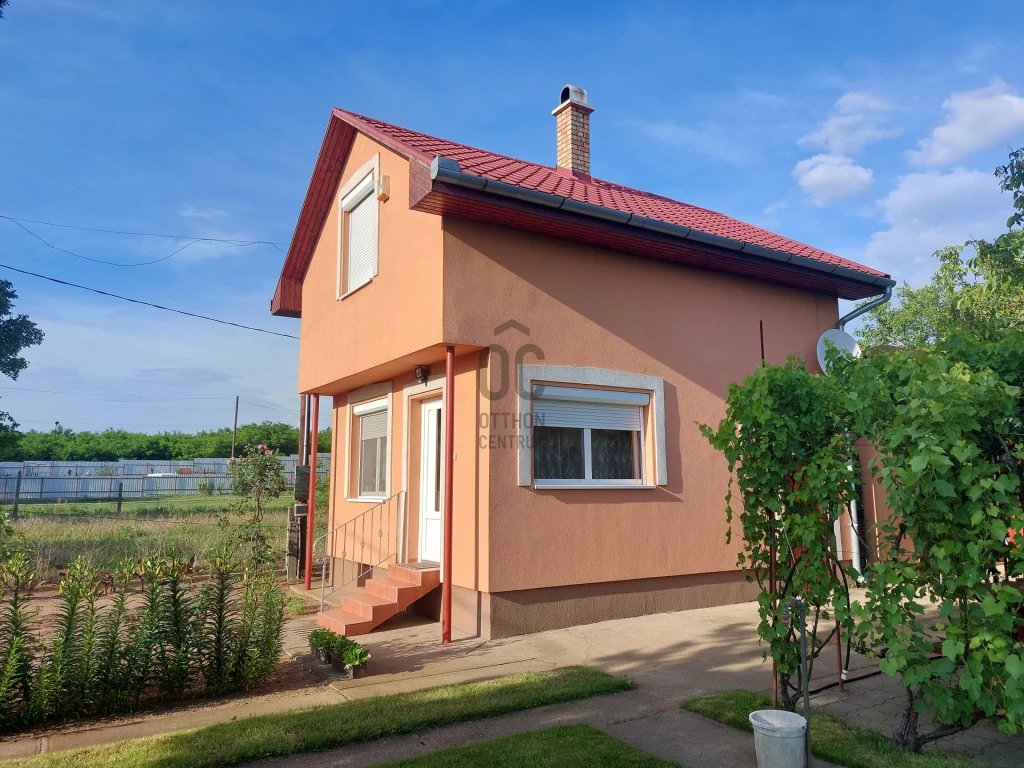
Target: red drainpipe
x,y
449,461
314,438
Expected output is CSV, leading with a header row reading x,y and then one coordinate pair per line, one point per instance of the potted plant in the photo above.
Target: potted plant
x,y
338,649
320,643
355,658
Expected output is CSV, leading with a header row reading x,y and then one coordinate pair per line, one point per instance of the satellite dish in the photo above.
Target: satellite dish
x,y
842,341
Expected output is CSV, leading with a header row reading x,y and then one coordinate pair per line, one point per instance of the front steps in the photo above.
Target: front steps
x,y
381,598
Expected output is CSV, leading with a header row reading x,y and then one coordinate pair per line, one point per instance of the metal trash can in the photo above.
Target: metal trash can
x,y
779,738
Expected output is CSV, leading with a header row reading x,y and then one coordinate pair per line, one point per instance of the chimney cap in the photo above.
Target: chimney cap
x,y
572,94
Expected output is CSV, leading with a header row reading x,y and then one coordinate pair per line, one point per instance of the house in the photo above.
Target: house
x,y
518,357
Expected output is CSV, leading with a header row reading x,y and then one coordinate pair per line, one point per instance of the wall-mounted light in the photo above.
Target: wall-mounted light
x,y
422,373
383,188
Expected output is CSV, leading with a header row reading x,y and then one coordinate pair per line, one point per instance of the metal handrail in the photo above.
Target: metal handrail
x,y
353,533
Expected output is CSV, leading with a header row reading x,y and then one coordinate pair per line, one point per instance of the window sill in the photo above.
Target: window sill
x,y
556,486
363,499
355,290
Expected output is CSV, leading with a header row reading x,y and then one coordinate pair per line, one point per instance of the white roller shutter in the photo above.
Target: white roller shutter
x,y
373,425
555,406
584,414
362,242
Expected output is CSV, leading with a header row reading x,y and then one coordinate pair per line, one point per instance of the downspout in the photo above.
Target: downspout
x,y
858,311
449,485
314,439
854,527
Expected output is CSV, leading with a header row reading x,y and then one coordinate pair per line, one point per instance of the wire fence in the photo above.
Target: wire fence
x,y
136,467
83,482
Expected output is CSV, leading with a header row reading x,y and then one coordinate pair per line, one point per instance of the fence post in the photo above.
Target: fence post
x,y
17,495
120,495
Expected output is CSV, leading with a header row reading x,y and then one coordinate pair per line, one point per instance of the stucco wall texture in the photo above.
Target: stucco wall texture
x,y
396,314
445,280
584,307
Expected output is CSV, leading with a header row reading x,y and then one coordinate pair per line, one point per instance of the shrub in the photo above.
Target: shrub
x,y
167,640
348,651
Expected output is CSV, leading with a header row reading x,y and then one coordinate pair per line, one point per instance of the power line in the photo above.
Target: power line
x,y
148,234
269,407
90,258
148,304
112,399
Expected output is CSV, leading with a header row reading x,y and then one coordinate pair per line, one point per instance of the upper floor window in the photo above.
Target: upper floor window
x,y
359,213
587,436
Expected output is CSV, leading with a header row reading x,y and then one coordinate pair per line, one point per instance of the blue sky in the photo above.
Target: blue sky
x,y
867,129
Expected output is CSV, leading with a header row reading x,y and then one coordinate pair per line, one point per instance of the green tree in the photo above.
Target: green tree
x,y
785,439
981,297
17,333
257,476
943,581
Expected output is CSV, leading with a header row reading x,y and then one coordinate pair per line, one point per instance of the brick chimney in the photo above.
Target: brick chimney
x,y
572,124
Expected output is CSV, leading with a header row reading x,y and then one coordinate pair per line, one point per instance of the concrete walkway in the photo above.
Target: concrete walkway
x,y
644,720
671,657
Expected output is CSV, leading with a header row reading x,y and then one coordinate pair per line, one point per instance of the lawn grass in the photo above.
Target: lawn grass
x,y
153,506
56,533
564,746
831,738
320,728
54,542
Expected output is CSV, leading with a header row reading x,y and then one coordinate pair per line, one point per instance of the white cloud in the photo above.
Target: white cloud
x,y
191,212
857,120
184,373
974,120
773,208
828,178
928,211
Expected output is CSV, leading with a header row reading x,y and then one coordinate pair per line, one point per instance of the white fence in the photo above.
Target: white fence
x,y
129,479
133,467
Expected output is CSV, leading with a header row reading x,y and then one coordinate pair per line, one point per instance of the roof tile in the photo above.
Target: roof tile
x,y
490,165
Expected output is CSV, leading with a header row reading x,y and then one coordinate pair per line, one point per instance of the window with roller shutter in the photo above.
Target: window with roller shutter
x,y
360,211
587,436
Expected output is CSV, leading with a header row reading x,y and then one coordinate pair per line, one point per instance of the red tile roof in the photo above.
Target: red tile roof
x,y
542,178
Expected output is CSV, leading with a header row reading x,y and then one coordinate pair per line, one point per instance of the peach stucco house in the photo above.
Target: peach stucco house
x,y
575,332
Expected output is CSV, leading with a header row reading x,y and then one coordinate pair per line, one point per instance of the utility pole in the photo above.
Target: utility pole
x,y
234,429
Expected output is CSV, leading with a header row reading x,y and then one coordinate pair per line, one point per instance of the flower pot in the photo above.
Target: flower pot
x,y
779,739
338,664
319,653
358,671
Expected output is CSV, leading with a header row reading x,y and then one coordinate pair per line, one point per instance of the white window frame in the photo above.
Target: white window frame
x,y
594,377
360,185
368,399
597,396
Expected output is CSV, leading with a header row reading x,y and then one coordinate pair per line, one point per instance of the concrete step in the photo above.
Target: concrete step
x,y
381,598
371,607
396,590
427,575
344,623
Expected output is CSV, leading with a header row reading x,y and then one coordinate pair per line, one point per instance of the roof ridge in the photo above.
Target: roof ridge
x,y
529,175
372,120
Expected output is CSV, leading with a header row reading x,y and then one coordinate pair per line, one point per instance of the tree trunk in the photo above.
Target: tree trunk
x,y
906,733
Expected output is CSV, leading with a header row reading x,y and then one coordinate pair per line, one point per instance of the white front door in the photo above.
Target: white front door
x,y
431,492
